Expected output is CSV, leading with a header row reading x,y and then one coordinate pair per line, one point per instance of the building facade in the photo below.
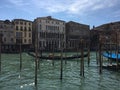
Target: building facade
x,y
74,33
109,32
23,33
50,32
7,35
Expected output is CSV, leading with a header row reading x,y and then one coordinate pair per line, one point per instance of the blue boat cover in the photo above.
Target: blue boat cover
x,y
111,55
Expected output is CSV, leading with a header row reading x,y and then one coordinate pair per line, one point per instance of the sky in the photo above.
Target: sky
x,y
90,12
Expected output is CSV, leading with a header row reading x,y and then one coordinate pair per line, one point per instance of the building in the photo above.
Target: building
x,y
23,33
7,35
50,32
109,32
74,33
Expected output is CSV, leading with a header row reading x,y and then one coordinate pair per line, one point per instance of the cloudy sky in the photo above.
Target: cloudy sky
x,y
91,12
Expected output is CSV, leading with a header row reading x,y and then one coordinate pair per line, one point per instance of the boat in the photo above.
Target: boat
x,y
53,57
112,56
112,67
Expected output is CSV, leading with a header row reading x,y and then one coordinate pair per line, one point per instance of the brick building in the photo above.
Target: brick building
x,y
7,35
109,32
74,33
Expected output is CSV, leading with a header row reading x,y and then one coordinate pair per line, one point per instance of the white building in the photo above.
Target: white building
x,y
51,33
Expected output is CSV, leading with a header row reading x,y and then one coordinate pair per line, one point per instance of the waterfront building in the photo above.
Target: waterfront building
x,y
7,35
109,32
74,33
23,33
50,32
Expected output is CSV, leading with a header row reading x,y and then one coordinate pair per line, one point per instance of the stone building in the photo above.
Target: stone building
x,y
74,33
7,35
109,32
23,33
50,32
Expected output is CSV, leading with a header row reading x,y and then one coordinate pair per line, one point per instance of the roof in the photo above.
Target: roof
x,y
77,23
22,20
50,18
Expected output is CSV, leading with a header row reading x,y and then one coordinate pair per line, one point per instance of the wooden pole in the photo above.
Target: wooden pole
x,y
20,55
65,56
36,67
36,58
100,59
110,51
40,54
77,54
0,54
53,54
61,67
117,52
97,54
89,54
82,59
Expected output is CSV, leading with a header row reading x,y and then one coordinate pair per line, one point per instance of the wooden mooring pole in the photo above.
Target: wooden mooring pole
x,y
53,54
20,55
0,54
61,66
89,54
36,69
117,49
36,58
82,59
97,50
100,58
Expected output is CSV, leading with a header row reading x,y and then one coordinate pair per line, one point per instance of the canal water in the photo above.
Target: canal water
x,y
48,75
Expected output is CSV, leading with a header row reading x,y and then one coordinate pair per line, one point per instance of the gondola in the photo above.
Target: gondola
x,y
58,57
112,56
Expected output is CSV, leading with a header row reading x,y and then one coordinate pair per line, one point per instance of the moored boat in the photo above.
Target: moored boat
x,y
53,57
112,56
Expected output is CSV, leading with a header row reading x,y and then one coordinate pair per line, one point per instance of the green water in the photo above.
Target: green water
x,y
48,75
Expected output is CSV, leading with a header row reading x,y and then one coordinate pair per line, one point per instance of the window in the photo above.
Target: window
x,y
40,21
24,40
16,27
40,26
18,34
5,26
29,34
16,22
1,26
29,23
29,29
25,29
21,28
21,23
29,41
46,27
5,39
25,34
11,39
63,29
